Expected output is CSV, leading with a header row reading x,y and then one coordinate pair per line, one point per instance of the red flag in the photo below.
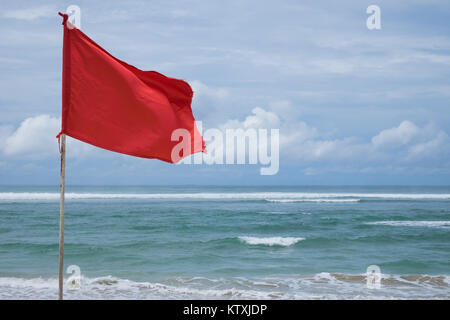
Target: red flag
x,y
113,105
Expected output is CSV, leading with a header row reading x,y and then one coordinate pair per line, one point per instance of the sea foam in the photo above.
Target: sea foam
x,y
269,196
313,200
271,241
412,223
316,286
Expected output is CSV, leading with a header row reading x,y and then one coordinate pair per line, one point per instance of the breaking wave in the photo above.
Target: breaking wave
x,y
312,200
319,286
412,223
271,241
269,196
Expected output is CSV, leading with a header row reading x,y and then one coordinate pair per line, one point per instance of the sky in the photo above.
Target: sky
x,y
353,106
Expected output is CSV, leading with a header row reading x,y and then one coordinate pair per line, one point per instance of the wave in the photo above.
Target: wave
x,y
312,200
298,196
271,241
412,223
317,286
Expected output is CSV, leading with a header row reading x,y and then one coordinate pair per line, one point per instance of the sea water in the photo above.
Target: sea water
x,y
191,242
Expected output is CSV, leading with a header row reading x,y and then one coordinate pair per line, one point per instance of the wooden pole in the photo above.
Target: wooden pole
x,y
61,215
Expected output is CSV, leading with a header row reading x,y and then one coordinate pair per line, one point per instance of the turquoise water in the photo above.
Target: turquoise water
x,y
227,242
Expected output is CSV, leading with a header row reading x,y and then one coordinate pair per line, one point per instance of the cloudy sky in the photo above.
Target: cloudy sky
x,y
354,106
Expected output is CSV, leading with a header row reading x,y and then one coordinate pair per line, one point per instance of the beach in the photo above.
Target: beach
x,y
190,242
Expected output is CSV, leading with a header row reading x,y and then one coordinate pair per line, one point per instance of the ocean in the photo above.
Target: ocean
x,y
191,242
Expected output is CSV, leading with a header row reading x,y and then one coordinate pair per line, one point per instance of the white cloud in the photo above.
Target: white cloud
x,y
437,145
397,136
259,118
298,140
319,149
200,89
35,138
30,13
302,143
408,142
406,146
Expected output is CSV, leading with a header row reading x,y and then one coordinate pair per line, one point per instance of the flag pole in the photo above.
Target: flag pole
x,y
61,215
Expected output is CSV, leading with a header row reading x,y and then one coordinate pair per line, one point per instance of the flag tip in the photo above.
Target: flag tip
x,y
65,17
